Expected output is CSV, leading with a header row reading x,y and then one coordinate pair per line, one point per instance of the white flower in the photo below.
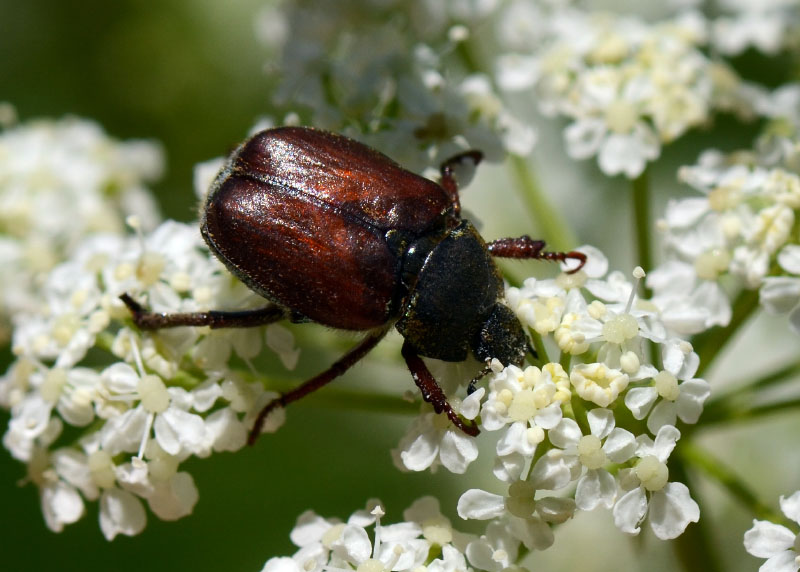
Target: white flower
x,y
433,440
763,25
682,400
627,86
605,444
778,544
781,294
60,181
745,218
687,304
496,550
331,544
165,396
529,518
646,492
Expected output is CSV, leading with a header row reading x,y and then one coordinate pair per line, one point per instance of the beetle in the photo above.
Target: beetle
x,y
334,232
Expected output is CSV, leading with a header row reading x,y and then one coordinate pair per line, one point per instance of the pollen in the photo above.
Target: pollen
x,y
598,383
53,384
438,530
710,264
652,473
620,329
153,394
667,385
629,362
370,565
149,268
621,116
523,407
568,339
101,469
590,452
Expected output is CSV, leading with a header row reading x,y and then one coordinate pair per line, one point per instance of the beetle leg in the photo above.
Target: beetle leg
x,y
431,392
526,247
487,369
447,169
338,368
146,320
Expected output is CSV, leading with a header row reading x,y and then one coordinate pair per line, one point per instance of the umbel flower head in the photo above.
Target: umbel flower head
x,y
556,426
61,180
743,227
118,432
627,86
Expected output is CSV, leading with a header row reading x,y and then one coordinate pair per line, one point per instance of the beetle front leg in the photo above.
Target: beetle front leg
x,y
447,169
431,392
146,320
525,247
338,368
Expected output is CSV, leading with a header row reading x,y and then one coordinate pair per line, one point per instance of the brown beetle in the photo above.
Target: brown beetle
x,y
332,231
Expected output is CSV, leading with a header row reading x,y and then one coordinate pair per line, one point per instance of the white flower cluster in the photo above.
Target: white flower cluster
x,y
556,423
118,432
775,542
744,226
395,82
769,26
425,540
627,86
60,181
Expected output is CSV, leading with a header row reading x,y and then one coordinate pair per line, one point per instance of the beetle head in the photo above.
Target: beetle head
x,y
501,337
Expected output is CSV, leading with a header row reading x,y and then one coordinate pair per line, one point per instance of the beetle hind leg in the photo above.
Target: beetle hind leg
x,y
432,393
147,320
344,363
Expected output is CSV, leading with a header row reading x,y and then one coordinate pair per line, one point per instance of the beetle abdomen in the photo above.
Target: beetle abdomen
x,y
301,216
299,253
351,177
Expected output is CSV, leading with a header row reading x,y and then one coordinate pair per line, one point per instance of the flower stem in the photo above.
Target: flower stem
x,y
548,219
343,400
716,470
695,547
541,350
729,410
642,223
708,345
738,405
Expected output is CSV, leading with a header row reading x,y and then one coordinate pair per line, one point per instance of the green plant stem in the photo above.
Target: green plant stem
x,y
695,547
708,345
738,405
548,219
344,400
739,411
541,350
642,223
717,471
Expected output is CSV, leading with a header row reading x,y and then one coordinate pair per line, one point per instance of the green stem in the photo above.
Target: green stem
x,y
547,218
730,411
338,399
708,345
716,470
695,547
642,223
541,350
738,404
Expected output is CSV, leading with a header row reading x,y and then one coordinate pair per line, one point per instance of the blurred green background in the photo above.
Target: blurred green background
x,y
188,73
